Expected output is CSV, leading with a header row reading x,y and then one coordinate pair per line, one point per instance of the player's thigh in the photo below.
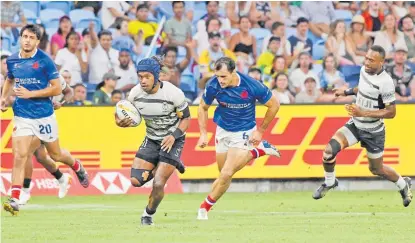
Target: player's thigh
x,y
148,153
347,135
374,143
162,173
53,148
220,160
23,146
236,159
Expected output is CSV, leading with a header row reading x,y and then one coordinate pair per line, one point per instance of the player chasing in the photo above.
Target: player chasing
x,y
35,79
166,114
46,161
375,101
236,132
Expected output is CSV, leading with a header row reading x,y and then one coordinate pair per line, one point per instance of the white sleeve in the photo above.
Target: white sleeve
x,y
133,93
63,82
59,59
111,4
387,91
265,43
179,99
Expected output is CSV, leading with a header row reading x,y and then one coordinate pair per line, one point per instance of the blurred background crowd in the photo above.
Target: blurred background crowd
x,y
300,50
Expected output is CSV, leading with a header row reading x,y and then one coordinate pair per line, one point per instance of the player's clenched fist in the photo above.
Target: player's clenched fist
x,y
203,140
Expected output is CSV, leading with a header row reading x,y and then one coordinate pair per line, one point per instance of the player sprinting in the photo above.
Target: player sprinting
x,y
236,133
47,162
375,102
36,80
166,114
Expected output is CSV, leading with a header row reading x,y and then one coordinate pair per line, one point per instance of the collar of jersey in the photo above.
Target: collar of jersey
x,y
239,77
31,56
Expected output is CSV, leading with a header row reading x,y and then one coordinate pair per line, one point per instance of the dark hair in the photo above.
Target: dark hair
x,y
273,61
143,5
210,19
276,25
325,58
302,20
170,48
254,69
4,57
116,91
379,50
243,17
175,2
104,32
207,2
276,78
60,21
44,39
31,28
68,36
230,64
309,55
400,24
79,85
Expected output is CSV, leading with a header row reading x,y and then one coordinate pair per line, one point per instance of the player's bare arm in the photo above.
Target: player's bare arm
x,y
7,88
53,90
345,92
388,113
273,106
202,117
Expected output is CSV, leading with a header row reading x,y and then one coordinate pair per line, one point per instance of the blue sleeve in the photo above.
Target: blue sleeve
x,y
209,94
323,81
9,70
342,76
50,70
261,92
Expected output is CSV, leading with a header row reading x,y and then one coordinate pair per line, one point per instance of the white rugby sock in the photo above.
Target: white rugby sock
x,y
329,178
145,214
401,183
62,179
26,190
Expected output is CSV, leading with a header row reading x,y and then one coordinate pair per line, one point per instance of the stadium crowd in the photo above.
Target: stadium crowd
x,y
300,50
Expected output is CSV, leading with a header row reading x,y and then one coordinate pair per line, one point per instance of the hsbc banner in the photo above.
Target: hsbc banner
x,y
300,132
102,182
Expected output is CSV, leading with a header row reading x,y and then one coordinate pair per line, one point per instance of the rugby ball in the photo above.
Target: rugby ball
x,y
125,109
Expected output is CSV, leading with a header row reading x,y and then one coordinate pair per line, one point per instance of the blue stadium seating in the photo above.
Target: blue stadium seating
x,y
50,32
6,42
290,31
260,35
30,16
84,23
77,15
317,68
345,15
197,15
65,6
33,6
312,37
412,65
47,15
318,50
351,74
53,23
123,42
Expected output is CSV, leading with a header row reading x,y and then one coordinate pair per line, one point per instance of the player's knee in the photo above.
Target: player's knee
x,y
226,175
376,170
331,151
55,156
139,177
158,185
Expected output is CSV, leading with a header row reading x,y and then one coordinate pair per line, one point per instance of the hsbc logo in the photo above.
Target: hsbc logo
x,y
111,182
5,183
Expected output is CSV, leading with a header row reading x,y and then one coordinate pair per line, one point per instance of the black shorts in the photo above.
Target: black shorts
x,y
373,142
150,151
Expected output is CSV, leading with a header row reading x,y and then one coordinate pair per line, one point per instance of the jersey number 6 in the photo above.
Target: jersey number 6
x,y
45,129
245,136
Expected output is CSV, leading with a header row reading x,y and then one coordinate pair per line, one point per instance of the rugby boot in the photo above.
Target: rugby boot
x,y
11,206
406,192
269,149
146,220
82,175
323,189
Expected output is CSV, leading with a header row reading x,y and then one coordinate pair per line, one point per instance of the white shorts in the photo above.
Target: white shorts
x,y
225,140
46,129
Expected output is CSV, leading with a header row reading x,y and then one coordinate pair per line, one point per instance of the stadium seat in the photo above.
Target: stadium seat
x,y
166,9
345,15
123,42
197,15
77,15
33,6
260,34
50,32
84,23
312,37
412,65
319,50
112,30
351,74
6,43
188,83
47,15
30,16
234,31
317,68
290,31
53,23
65,6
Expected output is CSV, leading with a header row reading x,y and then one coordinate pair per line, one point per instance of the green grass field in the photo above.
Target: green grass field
x,y
238,217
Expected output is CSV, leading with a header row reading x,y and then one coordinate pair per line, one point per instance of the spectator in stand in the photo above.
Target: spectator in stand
x,y
66,75
234,10
123,40
255,73
170,62
116,96
264,14
278,30
403,76
93,6
59,38
4,66
72,58
212,8
374,17
113,9
178,29
86,39
303,71
321,15
397,8
289,13
142,24
330,79
310,94
337,44
126,71
79,96
9,9
279,87
300,42
102,95
406,24
412,10
389,37
44,39
214,52
103,57
347,5
266,58
243,44
357,38
278,66
201,39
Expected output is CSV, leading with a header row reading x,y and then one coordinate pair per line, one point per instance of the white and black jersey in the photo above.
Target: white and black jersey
x,y
159,110
374,92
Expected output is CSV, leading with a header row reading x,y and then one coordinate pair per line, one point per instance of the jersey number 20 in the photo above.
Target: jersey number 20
x,y
45,129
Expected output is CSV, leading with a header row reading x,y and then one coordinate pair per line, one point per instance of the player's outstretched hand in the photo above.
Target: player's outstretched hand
x,y
167,143
339,92
22,92
353,110
203,140
255,138
3,105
